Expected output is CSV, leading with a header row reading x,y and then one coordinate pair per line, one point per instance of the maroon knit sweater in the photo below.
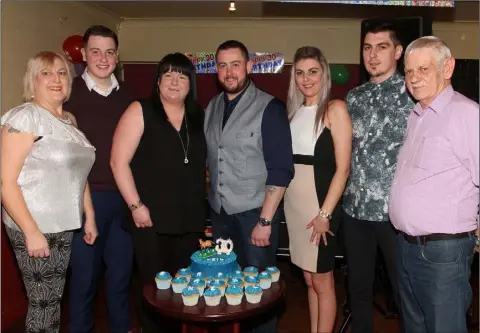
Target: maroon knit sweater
x,y
97,117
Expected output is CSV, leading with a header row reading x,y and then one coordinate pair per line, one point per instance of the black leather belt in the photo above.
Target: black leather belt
x,y
436,237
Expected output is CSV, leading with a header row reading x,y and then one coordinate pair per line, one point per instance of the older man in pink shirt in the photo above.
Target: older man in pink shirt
x,y
435,195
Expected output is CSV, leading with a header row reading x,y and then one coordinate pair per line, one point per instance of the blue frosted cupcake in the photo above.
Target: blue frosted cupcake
x,y
198,275
235,282
238,274
265,280
178,284
253,294
220,284
163,280
184,272
234,295
251,281
221,276
250,271
190,296
212,296
199,284
274,272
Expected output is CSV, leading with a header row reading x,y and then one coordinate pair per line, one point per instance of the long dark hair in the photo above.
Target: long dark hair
x,y
178,62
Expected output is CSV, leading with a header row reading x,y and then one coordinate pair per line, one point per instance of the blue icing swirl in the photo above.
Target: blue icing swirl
x,y
179,280
251,269
236,275
272,269
234,290
220,275
190,291
184,271
234,282
163,275
197,282
212,291
253,290
217,283
264,276
251,279
198,275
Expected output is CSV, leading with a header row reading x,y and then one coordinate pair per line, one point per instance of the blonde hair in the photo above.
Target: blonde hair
x,y
37,64
439,47
295,97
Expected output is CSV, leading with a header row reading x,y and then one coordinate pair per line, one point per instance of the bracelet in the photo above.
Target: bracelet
x,y
134,206
323,213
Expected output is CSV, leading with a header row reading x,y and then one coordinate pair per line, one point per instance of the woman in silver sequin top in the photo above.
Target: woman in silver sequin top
x,y
45,161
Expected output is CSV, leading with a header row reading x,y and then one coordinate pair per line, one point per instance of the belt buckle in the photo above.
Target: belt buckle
x,y
423,240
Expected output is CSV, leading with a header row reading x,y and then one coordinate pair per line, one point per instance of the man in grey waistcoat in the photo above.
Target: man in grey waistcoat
x,y
250,161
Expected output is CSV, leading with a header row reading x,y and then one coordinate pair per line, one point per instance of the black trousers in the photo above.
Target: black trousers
x,y
362,238
154,253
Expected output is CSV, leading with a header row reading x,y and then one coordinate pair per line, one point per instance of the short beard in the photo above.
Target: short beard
x,y
240,86
378,74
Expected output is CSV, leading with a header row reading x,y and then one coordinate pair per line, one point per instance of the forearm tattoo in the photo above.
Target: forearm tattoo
x,y
271,189
12,130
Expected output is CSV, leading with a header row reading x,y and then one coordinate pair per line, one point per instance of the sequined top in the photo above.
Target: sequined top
x,y
379,115
54,174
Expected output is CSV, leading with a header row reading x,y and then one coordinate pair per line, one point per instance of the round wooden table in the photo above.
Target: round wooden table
x,y
170,304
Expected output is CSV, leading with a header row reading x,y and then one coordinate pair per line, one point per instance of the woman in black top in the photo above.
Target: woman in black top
x,y
158,161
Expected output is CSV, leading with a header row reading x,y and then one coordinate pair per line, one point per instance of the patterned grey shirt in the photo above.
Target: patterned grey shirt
x,y
379,115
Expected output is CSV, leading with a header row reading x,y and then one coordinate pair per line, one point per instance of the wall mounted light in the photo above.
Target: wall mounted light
x,y
232,6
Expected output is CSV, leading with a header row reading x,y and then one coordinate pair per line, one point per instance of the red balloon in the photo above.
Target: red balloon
x,y
71,47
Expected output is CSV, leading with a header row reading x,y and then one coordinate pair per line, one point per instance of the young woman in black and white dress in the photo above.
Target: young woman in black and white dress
x,y
321,137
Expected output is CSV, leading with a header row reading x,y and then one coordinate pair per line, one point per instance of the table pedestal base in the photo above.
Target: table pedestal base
x,y
191,328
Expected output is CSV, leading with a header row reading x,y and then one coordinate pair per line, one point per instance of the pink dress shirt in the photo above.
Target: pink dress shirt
x,y
435,188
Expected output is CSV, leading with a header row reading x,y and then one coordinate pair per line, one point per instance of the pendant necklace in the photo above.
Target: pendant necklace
x,y
185,151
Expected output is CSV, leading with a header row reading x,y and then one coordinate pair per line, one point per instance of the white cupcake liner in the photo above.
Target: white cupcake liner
x,y
178,288
275,276
213,300
254,298
234,299
265,284
190,300
163,284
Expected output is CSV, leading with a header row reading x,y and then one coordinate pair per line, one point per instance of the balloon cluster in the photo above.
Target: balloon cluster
x,y
339,73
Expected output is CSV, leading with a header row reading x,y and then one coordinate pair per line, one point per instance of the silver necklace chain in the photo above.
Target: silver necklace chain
x,y
185,151
67,121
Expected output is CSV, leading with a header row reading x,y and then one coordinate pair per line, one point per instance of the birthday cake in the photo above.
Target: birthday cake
x,y
214,262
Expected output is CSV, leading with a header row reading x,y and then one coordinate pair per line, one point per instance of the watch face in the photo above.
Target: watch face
x,y
264,222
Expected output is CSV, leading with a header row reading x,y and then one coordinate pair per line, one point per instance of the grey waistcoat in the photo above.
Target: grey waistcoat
x,y
235,155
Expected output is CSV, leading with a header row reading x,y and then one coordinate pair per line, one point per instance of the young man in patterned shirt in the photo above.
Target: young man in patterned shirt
x,y
379,109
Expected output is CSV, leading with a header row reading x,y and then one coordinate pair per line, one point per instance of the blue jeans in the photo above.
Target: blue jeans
x,y
434,286
239,227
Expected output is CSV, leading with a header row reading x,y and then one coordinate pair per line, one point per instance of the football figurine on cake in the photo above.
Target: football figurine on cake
x,y
213,259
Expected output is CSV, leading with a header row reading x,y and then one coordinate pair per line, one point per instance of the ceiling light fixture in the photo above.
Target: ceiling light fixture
x,y
232,6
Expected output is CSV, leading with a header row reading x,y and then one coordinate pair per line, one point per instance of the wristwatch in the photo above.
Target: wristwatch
x,y
264,223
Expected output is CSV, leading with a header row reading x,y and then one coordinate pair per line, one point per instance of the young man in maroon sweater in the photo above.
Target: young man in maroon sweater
x,y
97,101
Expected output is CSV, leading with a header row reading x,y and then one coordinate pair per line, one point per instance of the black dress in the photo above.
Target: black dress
x,y
174,192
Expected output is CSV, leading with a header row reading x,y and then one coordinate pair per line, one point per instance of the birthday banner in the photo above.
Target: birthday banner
x,y
204,62
413,3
